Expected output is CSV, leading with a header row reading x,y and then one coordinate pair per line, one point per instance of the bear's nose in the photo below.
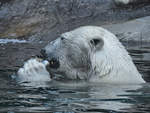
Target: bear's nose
x,y
54,63
43,52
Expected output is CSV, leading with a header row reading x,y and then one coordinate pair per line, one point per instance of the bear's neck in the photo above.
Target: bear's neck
x,y
114,65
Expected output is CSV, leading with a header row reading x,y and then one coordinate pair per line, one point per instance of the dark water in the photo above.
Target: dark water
x,y
79,97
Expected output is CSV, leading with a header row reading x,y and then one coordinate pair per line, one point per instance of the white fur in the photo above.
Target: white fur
x,y
33,70
112,64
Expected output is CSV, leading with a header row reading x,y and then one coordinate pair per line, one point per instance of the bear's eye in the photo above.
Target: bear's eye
x,y
94,41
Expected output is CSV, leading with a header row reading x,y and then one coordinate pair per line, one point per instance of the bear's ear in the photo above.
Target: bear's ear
x,y
97,43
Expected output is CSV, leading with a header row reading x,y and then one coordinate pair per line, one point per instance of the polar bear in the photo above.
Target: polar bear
x,y
90,53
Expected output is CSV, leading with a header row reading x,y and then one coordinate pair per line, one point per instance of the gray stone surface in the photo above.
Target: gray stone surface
x,y
135,30
46,19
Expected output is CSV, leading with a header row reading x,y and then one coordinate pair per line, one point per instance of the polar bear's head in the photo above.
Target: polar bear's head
x,y
87,52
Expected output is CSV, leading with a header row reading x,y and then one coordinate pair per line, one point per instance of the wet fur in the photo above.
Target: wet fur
x,y
82,61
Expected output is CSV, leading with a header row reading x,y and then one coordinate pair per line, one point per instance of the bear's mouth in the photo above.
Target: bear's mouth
x,y
52,67
54,63
53,72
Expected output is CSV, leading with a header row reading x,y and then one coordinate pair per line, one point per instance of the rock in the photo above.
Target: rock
x,y
137,30
45,20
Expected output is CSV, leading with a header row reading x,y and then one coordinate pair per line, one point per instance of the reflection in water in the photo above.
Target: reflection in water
x,y
140,53
56,96
75,96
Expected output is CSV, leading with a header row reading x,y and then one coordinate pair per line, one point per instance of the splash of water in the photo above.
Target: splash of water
x,y
5,41
33,70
